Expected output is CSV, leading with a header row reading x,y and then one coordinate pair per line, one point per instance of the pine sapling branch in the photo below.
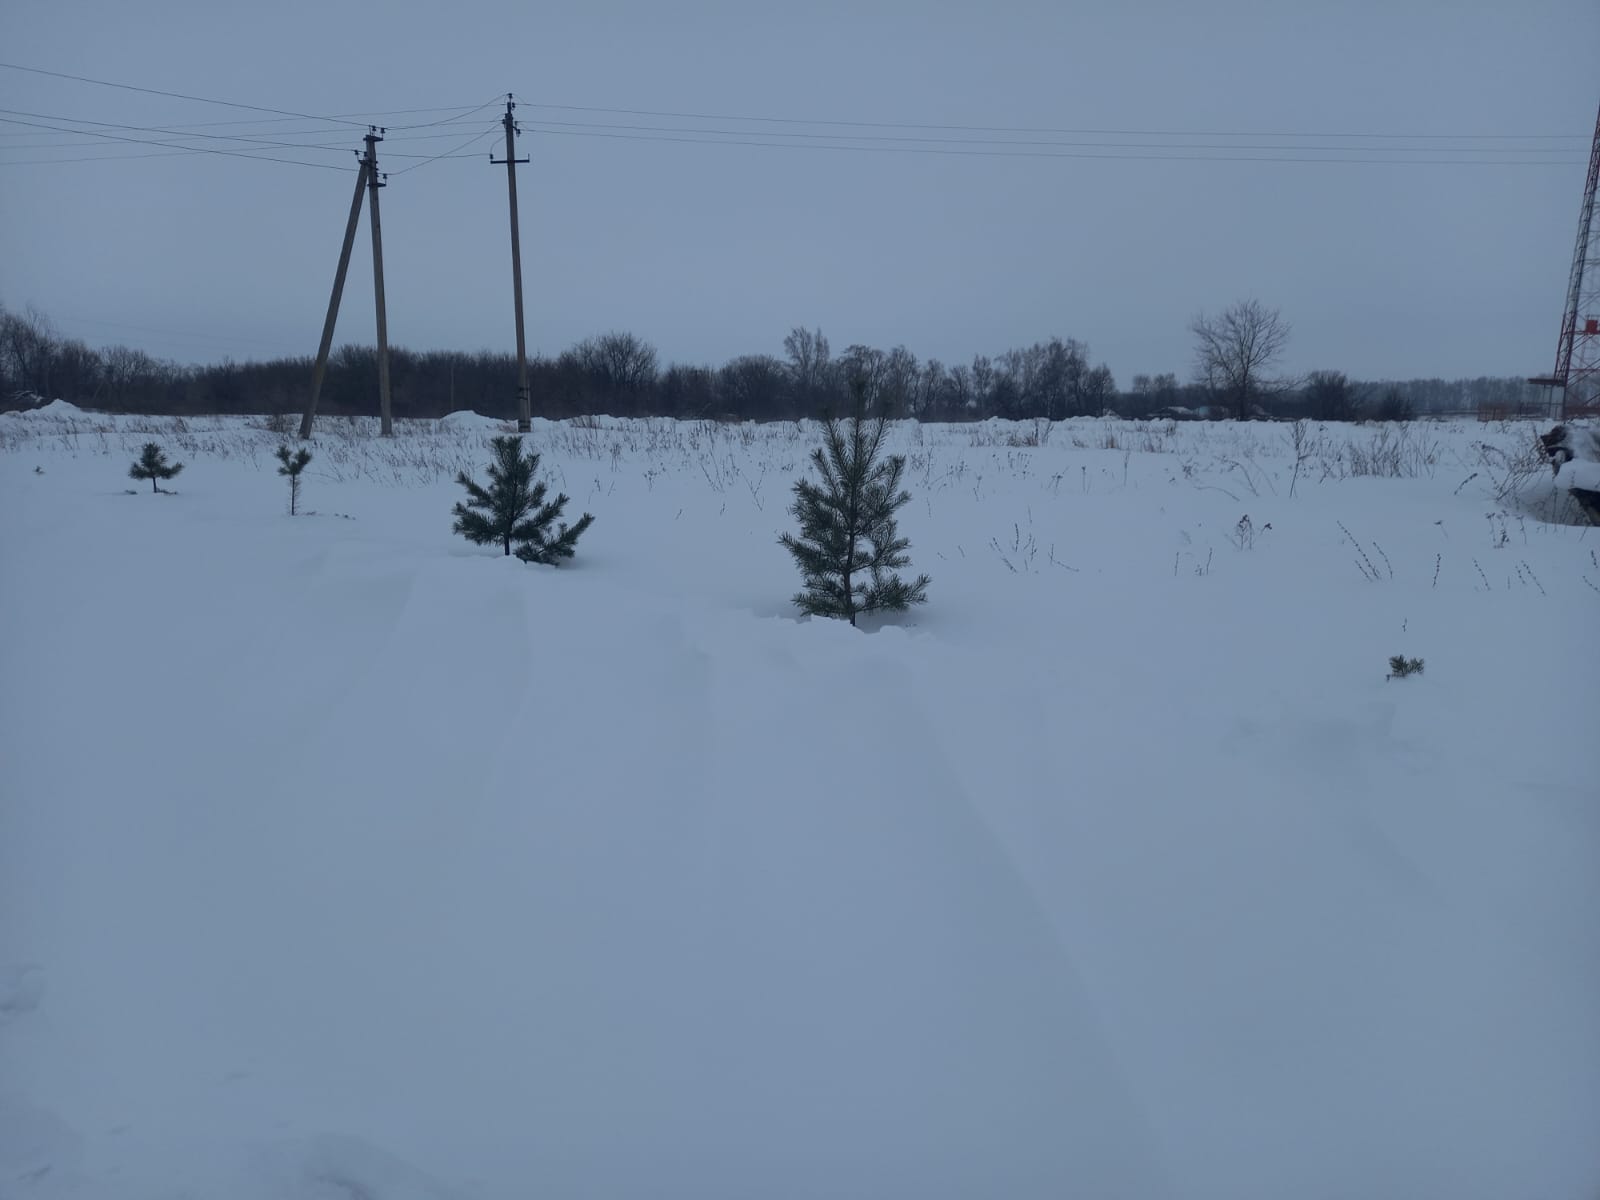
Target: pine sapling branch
x,y
1400,666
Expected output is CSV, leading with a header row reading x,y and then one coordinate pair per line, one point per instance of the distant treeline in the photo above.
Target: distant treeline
x,y
618,374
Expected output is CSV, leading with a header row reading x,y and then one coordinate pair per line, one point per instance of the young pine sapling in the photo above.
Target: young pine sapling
x,y
153,465
847,524
512,511
293,464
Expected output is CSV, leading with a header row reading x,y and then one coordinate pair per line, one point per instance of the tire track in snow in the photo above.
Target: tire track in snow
x,y
1030,804
923,890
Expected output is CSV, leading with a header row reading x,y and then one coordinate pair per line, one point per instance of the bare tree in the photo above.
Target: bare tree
x,y
1394,405
754,387
624,365
1234,352
687,391
1329,397
899,380
27,354
862,368
125,367
809,362
932,386
1156,392
982,376
77,372
962,397
1095,390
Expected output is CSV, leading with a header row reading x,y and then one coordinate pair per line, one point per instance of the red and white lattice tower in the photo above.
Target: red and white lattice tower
x,y
1577,372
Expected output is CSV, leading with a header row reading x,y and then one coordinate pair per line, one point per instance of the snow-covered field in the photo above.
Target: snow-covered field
x,y
343,860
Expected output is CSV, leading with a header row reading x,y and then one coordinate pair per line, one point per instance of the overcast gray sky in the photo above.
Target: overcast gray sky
x,y
1384,270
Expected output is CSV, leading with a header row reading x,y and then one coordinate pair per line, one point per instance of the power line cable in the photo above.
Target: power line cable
x,y
128,87
405,139
921,139
811,139
644,112
1000,153
453,152
841,123
296,162
214,137
998,149
94,158
446,120
464,112
371,118
178,149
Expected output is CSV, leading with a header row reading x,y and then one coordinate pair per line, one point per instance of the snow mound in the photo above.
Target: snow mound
x,y
60,408
466,419
56,410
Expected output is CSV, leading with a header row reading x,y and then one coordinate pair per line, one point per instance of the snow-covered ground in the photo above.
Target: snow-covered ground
x,y
340,858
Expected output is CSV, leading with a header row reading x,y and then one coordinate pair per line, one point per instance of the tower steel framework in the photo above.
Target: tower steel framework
x,y
1577,374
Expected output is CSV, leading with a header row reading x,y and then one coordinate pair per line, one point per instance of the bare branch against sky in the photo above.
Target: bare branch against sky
x,y
1399,179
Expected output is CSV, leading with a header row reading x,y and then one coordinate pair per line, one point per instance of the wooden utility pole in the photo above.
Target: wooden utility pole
x,y
524,402
374,182
333,304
